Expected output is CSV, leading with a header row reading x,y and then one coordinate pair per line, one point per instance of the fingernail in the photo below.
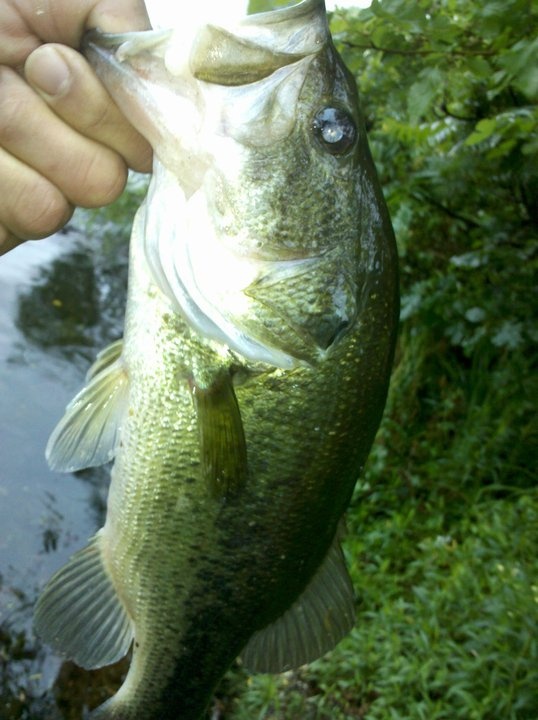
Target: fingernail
x,y
48,71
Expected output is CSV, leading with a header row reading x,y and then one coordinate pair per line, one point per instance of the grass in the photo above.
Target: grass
x,y
446,625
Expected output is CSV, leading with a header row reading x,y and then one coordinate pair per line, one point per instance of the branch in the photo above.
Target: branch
x,y
392,51
451,213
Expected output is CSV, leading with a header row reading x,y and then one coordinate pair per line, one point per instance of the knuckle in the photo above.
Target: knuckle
x,y
8,241
12,108
142,159
104,178
100,116
45,214
5,239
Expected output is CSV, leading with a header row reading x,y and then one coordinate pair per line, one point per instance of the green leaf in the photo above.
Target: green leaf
x,y
521,63
509,335
483,130
423,93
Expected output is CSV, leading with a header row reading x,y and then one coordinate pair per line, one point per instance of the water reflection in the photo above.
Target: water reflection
x,y
76,303
61,308
61,301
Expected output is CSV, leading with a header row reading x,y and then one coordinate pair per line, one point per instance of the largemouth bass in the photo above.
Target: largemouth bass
x,y
243,400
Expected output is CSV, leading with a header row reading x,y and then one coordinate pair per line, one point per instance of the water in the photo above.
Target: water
x,y
61,301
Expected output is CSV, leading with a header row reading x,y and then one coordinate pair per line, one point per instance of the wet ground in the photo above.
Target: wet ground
x,y
61,301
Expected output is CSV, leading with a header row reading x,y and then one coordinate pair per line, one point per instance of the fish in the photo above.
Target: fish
x,y
241,404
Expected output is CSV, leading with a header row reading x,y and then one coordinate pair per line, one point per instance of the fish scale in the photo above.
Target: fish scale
x,y
243,400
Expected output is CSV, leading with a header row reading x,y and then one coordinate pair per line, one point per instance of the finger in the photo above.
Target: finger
x,y
69,86
30,206
26,24
7,241
86,172
117,15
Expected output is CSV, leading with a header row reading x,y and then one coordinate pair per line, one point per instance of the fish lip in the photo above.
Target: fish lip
x,y
112,43
98,41
97,38
291,12
284,13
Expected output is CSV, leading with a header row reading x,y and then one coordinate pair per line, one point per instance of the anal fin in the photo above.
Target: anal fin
x,y
312,626
87,434
80,614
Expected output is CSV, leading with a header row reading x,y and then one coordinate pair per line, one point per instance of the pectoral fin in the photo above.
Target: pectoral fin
x,y
87,434
223,449
312,626
79,613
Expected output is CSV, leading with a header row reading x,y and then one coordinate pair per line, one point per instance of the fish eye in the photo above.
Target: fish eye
x,y
335,129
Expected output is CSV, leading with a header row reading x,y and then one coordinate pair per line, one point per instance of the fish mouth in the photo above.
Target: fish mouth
x,y
300,28
172,83
233,52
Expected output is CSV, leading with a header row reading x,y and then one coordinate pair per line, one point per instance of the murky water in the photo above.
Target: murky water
x,y
61,301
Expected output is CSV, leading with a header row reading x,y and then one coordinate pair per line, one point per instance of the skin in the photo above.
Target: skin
x,y
63,141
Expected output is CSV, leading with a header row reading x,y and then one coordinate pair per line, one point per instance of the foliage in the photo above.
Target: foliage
x,y
451,105
442,538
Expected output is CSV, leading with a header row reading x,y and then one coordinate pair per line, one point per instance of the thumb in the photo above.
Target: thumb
x,y
69,86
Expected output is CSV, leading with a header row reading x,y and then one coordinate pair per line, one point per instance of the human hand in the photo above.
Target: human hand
x,y
63,142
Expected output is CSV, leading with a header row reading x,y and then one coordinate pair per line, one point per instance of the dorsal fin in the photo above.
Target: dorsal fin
x,y
105,359
87,434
